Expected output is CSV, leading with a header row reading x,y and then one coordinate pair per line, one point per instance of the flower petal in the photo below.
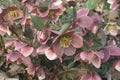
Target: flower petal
x,y
42,48
85,21
69,51
82,12
96,62
50,54
77,41
13,57
26,51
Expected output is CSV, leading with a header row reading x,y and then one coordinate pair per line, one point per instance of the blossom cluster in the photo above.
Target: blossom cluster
x,y
59,29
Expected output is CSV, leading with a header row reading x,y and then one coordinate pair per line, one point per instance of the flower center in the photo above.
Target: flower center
x,y
65,41
51,13
111,27
13,13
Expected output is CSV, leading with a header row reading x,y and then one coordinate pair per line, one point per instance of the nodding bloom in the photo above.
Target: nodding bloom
x,y
93,57
111,29
113,4
53,12
4,29
67,44
90,76
12,13
43,36
82,18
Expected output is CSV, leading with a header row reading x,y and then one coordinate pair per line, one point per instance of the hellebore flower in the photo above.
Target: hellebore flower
x,y
4,29
53,12
111,28
43,49
67,44
82,18
116,65
92,57
113,4
43,36
91,76
12,13
97,19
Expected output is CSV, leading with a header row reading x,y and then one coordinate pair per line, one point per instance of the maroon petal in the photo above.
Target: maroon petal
x,y
69,51
50,54
85,21
96,62
77,41
82,12
26,51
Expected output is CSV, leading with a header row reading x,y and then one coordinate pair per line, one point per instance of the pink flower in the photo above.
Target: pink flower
x,y
92,57
83,20
67,44
90,76
43,36
97,19
116,65
111,28
43,49
4,29
113,4
12,13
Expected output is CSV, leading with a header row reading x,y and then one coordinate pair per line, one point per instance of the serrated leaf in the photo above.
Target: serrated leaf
x,y
37,22
64,27
91,4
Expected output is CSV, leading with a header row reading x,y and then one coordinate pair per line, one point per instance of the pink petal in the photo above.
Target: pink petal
x,y
96,62
9,43
50,54
106,55
77,57
86,77
82,12
85,21
86,55
96,77
117,66
42,48
25,60
26,51
40,73
69,51
13,57
77,41
19,45
113,50
31,69
100,54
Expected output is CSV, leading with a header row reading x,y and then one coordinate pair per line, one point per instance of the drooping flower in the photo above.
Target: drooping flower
x,y
43,49
52,12
43,36
12,13
67,44
4,29
113,4
82,18
93,57
111,28
97,19
90,76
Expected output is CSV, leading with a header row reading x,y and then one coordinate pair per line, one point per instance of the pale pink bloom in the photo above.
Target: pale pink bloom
x,y
82,18
43,49
31,69
113,4
90,76
67,44
4,29
92,57
111,29
97,19
116,65
43,36
11,14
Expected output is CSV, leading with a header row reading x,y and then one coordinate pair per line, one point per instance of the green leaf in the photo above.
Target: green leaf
x,y
70,76
38,22
64,27
104,38
91,4
71,65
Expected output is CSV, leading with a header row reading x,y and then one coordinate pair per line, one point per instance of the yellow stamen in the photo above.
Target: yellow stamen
x,y
13,13
65,42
